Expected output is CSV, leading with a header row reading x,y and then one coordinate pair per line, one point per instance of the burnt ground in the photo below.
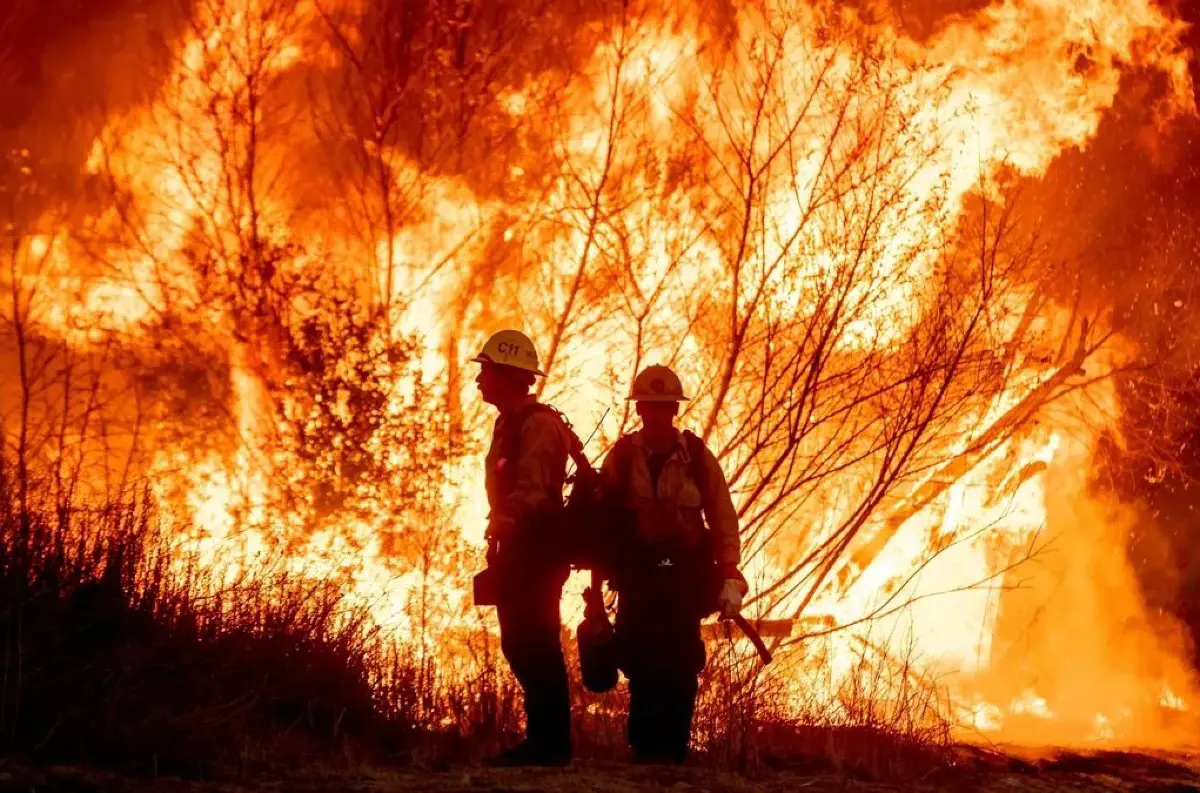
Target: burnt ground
x,y
1093,772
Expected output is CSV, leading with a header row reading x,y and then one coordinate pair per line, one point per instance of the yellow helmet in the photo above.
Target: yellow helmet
x,y
510,348
657,384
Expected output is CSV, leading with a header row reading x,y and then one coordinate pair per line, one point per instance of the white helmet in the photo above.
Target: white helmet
x,y
657,384
510,348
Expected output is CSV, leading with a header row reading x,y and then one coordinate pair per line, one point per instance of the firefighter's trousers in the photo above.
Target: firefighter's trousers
x,y
659,609
528,609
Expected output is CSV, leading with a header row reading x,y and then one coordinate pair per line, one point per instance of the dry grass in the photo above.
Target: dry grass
x,y
109,658
879,721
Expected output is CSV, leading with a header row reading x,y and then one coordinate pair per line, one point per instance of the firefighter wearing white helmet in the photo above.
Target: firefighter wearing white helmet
x,y
525,472
657,384
681,565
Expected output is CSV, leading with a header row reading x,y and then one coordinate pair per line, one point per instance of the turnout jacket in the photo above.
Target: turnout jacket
x,y
520,489
674,511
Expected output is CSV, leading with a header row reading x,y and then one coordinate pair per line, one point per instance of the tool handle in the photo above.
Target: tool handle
x,y
752,634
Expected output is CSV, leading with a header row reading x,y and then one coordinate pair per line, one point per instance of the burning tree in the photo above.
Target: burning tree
x,y
780,205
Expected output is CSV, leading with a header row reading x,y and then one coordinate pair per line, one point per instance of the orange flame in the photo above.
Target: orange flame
x,y
668,112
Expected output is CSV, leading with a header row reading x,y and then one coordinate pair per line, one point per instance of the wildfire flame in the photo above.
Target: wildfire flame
x,y
692,190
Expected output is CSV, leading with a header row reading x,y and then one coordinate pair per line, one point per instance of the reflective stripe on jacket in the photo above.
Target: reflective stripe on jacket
x,y
674,512
536,482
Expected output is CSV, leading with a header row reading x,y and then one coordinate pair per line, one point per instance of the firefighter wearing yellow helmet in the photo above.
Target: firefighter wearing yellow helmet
x,y
681,564
510,348
525,472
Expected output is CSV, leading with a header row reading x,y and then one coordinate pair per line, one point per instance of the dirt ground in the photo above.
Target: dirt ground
x,y
1095,772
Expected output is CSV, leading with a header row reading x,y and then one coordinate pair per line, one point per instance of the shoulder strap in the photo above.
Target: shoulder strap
x,y
512,441
510,445
583,466
695,450
623,448
513,427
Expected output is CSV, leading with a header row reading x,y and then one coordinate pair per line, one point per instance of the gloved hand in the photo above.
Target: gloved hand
x,y
729,602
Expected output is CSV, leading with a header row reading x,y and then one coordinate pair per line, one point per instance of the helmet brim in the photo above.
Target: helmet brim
x,y
481,358
663,398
